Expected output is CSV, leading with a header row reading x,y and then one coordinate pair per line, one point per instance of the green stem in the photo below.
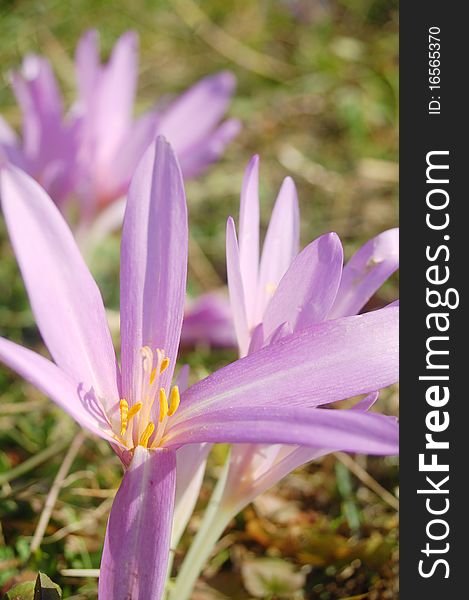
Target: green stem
x,y
214,522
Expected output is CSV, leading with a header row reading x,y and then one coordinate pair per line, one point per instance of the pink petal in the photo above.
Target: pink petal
x,y
348,430
136,547
365,273
236,287
191,461
249,236
307,291
281,244
196,113
153,263
196,159
87,65
66,301
329,361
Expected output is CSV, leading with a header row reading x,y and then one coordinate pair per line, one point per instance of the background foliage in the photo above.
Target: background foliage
x,y
317,96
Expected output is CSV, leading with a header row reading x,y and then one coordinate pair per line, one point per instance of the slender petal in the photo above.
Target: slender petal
x,y
136,140
236,287
136,547
197,158
351,431
254,468
307,291
191,461
48,145
66,302
153,263
365,273
326,362
87,65
78,401
281,244
192,117
249,235
38,95
112,109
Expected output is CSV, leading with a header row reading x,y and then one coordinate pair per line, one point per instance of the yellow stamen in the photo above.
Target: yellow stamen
x,y
134,410
163,404
124,412
152,376
174,400
146,435
164,365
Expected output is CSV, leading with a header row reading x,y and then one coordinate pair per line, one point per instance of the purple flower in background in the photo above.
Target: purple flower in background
x,y
92,152
208,320
112,141
289,293
269,397
283,293
48,146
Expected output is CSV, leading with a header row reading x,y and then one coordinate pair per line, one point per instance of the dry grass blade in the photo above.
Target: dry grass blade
x,y
368,480
55,490
230,47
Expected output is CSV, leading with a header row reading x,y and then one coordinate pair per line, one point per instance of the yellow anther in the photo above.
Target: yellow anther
x,y
124,412
146,435
163,404
164,365
153,376
174,400
134,410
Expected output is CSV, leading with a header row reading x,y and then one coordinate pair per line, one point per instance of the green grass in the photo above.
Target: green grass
x,y
318,100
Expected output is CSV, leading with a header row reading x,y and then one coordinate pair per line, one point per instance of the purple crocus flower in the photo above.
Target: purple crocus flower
x,y
282,293
290,294
268,397
113,142
92,152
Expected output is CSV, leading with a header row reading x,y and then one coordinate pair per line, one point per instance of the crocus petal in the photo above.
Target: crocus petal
x,y
196,159
38,95
236,288
307,290
191,461
153,263
114,96
182,379
136,547
135,142
194,114
326,362
281,244
254,468
365,272
208,320
80,403
87,65
66,302
249,235
351,431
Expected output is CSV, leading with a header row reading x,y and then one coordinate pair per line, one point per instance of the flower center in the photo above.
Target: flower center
x,y
144,423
